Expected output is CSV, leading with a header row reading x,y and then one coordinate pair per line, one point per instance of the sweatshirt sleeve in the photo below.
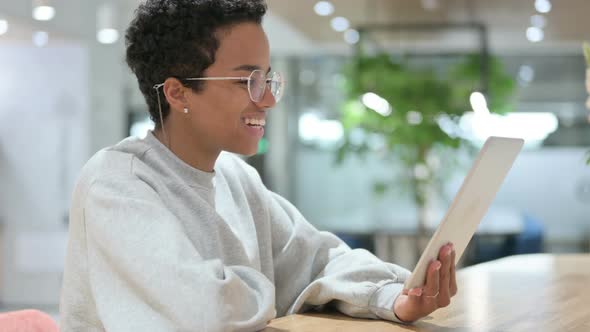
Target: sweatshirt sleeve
x,y
314,268
146,275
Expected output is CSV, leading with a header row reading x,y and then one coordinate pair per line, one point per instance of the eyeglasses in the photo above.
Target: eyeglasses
x,y
257,82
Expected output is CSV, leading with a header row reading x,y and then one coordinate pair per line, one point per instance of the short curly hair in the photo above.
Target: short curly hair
x,y
177,38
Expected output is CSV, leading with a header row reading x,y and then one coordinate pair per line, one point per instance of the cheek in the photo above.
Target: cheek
x,y
238,97
226,108
232,103
220,109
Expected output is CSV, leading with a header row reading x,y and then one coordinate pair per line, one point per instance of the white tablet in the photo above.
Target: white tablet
x,y
470,204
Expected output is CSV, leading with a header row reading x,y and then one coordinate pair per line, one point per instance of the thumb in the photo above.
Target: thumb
x,y
404,308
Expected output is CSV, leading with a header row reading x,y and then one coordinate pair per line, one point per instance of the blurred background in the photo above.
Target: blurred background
x,y
387,104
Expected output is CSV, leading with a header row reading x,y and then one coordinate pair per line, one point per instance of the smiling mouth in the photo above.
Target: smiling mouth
x,y
256,123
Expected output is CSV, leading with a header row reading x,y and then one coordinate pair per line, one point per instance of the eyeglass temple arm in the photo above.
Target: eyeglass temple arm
x,y
215,78
157,86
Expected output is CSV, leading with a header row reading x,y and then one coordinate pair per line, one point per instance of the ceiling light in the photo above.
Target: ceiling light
x,y
42,10
106,33
324,8
107,36
340,24
534,34
351,36
538,21
3,26
543,6
40,38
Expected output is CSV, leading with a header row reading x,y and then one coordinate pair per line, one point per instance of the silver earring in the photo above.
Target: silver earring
x,y
186,110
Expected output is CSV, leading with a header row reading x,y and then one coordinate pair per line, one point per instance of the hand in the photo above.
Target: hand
x,y
440,286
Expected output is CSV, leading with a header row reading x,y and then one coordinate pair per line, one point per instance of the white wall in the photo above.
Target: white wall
x,y
44,109
551,184
108,74
341,197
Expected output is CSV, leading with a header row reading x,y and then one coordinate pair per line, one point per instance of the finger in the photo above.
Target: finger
x,y
415,292
453,279
431,289
444,298
415,301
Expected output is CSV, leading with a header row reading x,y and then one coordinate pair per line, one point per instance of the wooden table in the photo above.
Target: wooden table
x,y
520,293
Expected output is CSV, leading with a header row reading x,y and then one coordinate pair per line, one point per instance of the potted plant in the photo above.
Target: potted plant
x,y
404,106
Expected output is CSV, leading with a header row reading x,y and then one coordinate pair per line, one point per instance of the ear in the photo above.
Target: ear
x,y
175,94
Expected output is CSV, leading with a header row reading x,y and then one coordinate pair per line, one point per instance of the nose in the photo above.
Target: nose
x,y
268,100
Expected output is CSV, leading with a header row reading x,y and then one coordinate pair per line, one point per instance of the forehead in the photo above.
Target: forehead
x,y
244,43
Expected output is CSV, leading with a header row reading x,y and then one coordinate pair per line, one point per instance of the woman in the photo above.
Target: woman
x,y
173,232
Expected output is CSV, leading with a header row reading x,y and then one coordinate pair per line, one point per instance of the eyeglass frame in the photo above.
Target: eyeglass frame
x,y
240,78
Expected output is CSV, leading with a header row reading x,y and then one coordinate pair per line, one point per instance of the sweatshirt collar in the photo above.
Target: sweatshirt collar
x,y
193,176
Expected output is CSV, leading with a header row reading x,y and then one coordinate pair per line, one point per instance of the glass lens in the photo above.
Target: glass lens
x,y
257,85
276,86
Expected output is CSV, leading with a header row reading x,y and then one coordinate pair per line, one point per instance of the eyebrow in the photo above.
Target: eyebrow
x,y
250,68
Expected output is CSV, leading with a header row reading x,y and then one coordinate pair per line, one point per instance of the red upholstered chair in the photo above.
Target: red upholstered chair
x,y
27,321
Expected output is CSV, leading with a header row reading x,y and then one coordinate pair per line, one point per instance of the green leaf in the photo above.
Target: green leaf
x,y
586,48
379,188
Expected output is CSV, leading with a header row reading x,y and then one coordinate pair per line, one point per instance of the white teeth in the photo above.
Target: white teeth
x,y
255,122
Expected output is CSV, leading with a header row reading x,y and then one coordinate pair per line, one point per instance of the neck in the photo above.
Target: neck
x,y
182,144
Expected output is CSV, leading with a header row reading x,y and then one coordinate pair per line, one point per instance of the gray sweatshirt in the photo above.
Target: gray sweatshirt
x,y
156,245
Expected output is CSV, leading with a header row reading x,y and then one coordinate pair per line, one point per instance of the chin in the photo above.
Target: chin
x,y
245,151
250,153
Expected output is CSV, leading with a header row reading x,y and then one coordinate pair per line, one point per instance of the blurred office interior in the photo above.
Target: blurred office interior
x,y
65,93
